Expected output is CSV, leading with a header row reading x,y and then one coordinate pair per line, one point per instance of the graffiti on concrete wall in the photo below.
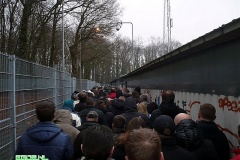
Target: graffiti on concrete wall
x,y
233,105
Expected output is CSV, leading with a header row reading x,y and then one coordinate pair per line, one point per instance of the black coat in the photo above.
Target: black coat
x,y
84,112
79,107
166,108
173,152
211,132
131,111
190,137
77,154
86,125
117,106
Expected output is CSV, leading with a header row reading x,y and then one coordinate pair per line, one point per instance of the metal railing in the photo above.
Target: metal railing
x,y
22,85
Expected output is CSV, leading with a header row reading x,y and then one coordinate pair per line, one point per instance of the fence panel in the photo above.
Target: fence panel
x,y
6,132
22,85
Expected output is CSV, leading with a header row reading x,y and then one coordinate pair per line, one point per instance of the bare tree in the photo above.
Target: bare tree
x,y
92,14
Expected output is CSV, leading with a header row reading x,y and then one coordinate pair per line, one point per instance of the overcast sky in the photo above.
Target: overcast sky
x,y
191,18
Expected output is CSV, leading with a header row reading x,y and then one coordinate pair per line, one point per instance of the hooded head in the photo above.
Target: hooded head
x,y
63,116
69,105
130,104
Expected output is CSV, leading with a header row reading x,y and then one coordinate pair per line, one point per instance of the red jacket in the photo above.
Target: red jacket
x,y
112,95
237,152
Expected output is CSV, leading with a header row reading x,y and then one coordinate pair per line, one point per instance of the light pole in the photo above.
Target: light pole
x,y
63,55
132,30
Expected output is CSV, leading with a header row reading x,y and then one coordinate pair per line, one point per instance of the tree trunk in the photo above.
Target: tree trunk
x,y
23,32
74,52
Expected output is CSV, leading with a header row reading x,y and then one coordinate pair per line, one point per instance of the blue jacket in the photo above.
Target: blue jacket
x,y
45,138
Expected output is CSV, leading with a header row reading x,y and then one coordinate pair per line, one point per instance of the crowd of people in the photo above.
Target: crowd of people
x,y
114,124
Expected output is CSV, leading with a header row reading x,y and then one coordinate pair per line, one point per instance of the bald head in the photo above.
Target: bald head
x,y
168,96
180,117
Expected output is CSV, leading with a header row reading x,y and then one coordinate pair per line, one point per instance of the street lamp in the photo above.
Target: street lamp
x,y
63,55
119,27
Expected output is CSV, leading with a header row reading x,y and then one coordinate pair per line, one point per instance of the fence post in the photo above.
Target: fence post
x,y
55,85
12,100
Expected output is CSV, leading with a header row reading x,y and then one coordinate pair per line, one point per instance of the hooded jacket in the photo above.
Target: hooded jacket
x,y
117,106
166,108
131,111
63,119
68,104
189,137
45,138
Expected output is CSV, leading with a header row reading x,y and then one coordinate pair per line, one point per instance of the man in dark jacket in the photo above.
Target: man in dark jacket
x,y
45,138
90,107
91,120
166,128
206,117
190,138
131,111
98,143
167,107
82,96
118,127
117,105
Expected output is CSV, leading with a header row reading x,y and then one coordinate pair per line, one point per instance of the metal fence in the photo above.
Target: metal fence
x,y
22,85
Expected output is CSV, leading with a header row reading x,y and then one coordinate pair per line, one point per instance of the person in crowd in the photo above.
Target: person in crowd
x,y
91,120
90,106
112,94
45,138
236,151
136,96
63,119
151,107
206,118
135,123
165,127
138,89
131,111
68,105
100,104
95,92
118,127
74,97
82,96
180,117
143,144
142,107
167,107
98,143
104,97
90,94
190,138
126,92
117,105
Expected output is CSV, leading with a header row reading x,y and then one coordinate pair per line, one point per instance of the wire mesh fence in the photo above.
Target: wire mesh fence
x,y
22,85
